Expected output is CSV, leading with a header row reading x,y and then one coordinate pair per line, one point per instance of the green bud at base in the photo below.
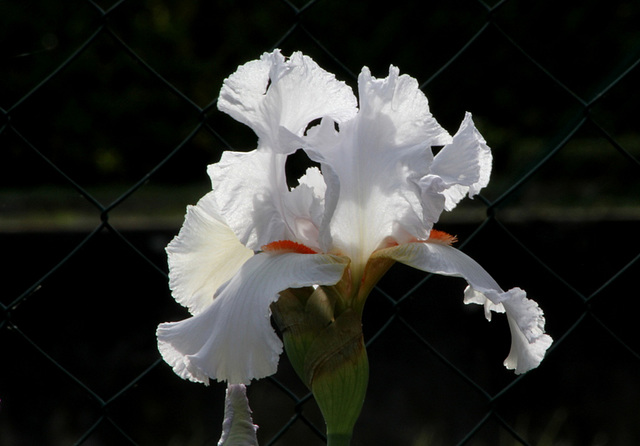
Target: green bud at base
x,y
339,382
327,351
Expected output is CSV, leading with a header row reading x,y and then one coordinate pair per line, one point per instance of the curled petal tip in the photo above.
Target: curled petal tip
x,y
529,342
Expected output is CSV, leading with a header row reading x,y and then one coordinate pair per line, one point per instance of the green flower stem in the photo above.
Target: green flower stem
x,y
338,440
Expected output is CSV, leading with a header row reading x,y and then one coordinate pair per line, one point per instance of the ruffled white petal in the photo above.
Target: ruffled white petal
x,y
372,163
243,93
528,340
313,178
232,339
526,320
526,323
399,99
204,255
250,189
305,209
462,167
278,97
251,192
472,296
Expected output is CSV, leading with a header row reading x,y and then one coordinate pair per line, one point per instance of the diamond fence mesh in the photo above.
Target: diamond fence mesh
x,y
107,123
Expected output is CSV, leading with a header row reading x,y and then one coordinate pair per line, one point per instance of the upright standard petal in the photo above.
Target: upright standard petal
x,y
204,255
278,97
462,167
526,321
371,165
251,192
250,189
233,339
305,206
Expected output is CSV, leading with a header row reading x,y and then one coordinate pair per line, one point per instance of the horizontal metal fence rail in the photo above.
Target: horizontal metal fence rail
x,y
17,309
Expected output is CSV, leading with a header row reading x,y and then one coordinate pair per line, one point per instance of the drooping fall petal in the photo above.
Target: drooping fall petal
x,y
526,320
232,339
526,323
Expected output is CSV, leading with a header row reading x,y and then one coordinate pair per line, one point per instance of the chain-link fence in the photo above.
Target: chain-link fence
x,y
107,123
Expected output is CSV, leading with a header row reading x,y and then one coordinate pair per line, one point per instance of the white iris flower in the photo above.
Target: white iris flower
x,y
374,201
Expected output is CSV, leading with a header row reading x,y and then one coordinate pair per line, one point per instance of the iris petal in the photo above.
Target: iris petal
x,y
251,192
232,339
250,189
526,320
278,97
372,164
464,165
204,255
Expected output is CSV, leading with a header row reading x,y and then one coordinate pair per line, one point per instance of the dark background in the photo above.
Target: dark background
x,y
107,124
